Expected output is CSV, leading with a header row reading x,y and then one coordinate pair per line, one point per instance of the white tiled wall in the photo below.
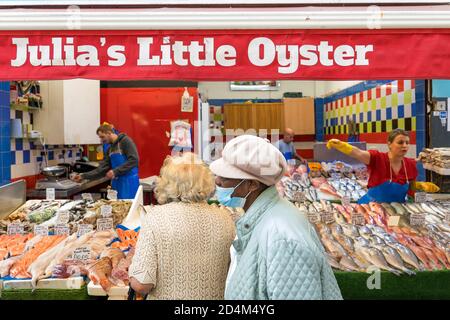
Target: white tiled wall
x,y
27,156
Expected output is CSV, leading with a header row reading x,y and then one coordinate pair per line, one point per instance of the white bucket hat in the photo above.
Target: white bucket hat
x,y
251,158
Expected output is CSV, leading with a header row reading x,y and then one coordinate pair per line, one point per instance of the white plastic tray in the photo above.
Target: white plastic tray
x,y
115,293
441,171
74,283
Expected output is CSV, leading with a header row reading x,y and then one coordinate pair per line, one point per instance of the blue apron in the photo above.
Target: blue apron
x,y
288,155
388,191
354,138
127,184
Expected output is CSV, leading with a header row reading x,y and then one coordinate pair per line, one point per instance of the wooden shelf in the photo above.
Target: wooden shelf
x,y
294,113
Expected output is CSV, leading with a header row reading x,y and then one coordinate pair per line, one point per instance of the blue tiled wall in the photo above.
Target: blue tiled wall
x,y
420,124
319,118
5,147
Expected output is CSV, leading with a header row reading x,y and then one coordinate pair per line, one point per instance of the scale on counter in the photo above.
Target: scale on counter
x,y
58,184
55,179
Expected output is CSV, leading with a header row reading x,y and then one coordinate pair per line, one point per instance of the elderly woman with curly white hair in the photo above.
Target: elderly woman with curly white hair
x,y
183,247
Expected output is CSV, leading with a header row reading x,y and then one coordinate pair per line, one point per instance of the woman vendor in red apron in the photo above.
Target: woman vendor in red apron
x,y
391,175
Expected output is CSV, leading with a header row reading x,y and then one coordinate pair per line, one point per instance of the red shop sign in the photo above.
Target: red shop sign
x,y
226,55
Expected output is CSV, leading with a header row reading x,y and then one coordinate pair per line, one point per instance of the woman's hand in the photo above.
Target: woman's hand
x,y
426,186
142,289
352,151
341,146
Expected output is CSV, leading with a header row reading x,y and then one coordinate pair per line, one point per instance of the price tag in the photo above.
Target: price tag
x,y
335,176
358,219
104,224
299,196
62,230
106,211
63,217
112,194
393,221
417,219
87,196
313,217
40,230
345,201
84,228
420,197
447,218
82,253
15,228
327,217
90,213
50,193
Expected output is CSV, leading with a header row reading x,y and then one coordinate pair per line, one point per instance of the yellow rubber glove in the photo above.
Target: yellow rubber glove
x,y
426,186
339,145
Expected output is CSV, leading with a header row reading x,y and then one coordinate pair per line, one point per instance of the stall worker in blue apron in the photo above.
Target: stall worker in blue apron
x,y
286,146
391,174
120,163
353,133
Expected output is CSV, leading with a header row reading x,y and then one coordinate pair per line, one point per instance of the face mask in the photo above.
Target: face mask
x,y
224,197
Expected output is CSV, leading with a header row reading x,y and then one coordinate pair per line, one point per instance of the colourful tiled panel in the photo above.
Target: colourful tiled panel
x,y
387,101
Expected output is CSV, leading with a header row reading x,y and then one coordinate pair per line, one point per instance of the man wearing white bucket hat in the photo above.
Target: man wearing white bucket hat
x,y
278,253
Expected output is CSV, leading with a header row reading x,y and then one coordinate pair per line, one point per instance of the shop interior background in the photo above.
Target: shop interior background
x,y
144,110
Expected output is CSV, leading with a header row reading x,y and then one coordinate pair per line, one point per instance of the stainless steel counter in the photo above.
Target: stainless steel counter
x,y
66,194
12,196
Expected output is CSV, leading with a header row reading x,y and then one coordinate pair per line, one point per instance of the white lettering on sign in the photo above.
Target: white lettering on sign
x,y
48,55
184,54
262,52
117,55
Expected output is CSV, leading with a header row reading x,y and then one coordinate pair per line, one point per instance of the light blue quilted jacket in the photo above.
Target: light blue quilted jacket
x,y
279,255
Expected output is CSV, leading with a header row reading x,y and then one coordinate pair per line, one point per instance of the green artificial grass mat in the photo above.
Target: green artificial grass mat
x,y
47,294
423,285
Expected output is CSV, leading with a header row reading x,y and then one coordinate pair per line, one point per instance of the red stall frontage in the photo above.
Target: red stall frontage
x,y
144,110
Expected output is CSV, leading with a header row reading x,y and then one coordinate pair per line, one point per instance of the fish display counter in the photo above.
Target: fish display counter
x,y
66,249
324,181
400,249
61,245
